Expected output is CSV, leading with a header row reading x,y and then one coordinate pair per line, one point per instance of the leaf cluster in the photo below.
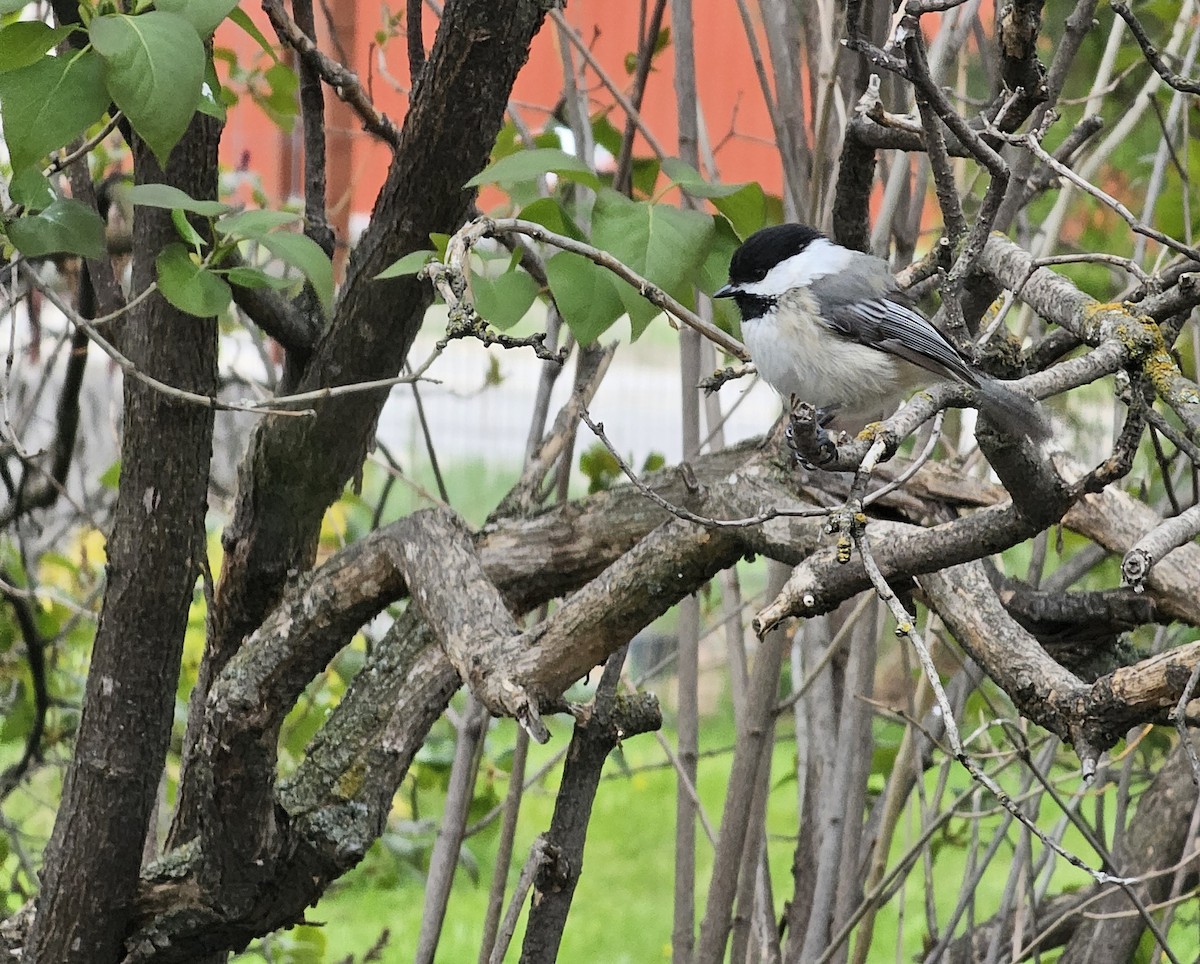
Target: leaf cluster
x,y
679,249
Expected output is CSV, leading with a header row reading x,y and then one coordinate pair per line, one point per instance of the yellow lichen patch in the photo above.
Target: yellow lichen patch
x,y
350,783
1091,330
869,431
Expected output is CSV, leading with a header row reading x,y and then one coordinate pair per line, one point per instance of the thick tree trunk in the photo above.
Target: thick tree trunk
x,y
92,862
296,468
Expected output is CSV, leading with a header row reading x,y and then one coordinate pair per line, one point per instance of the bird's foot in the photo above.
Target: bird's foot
x,y
811,444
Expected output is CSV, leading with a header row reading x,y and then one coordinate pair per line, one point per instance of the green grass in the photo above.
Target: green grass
x,y
622,909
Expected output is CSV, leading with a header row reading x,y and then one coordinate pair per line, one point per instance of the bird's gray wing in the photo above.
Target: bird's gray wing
x,y
885,322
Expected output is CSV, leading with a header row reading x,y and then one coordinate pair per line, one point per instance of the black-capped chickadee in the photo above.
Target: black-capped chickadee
x,y
830,326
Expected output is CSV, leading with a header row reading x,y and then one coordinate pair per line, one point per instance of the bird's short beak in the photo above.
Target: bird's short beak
x,y
725,291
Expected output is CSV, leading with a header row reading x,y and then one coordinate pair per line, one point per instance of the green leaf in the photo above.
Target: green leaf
x,y
688,178
111,476
600,467
504,299
171,198
191,287
714,272
32,189
204,15
212,94
550,214
247,277
584,294
411,263
155,68
24,42
743,204
746,209
304,253
654,461
531,164
280,102
47,103
663,244
12,6
644,175
254,225
186,231
242,19
66,225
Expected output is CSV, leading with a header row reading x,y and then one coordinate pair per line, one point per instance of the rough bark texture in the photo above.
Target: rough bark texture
x,y
296,468
612,718
91,866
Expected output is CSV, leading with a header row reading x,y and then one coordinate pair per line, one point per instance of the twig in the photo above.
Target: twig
x,y
443,859
1031,143
647,43
416,41
344,82
537,857
122,362
1097,257
1153,57
508,831
61,161
935,434
613,88
905,625
939,160
1170,534
600,727
312,116
523,495
445,276
682,513
35,649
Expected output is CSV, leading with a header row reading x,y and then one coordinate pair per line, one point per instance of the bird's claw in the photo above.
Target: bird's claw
x,y
812,445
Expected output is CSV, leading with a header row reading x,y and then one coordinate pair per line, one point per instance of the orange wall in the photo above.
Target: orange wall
x,y
730,99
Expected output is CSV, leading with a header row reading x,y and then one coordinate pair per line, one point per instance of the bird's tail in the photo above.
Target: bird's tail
x,y
1012,411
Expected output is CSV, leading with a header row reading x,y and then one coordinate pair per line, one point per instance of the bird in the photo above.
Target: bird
x,y
830,326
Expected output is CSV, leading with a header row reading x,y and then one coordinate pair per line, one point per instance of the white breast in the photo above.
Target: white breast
x,y
800,357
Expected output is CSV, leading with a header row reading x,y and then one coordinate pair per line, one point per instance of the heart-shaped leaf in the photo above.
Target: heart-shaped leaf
x,y
155,67
66,225
189,286
47,103
504,299
173,199
24,42
531,164
663,244
203,15
585,295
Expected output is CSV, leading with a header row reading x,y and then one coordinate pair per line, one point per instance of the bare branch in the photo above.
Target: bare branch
x,y
1169,535
1153,57
343,81
444,276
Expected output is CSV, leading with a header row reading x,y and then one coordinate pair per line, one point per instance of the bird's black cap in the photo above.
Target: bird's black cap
x,y
764,249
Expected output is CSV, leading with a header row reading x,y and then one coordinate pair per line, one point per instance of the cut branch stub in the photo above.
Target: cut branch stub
x,y
466,612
